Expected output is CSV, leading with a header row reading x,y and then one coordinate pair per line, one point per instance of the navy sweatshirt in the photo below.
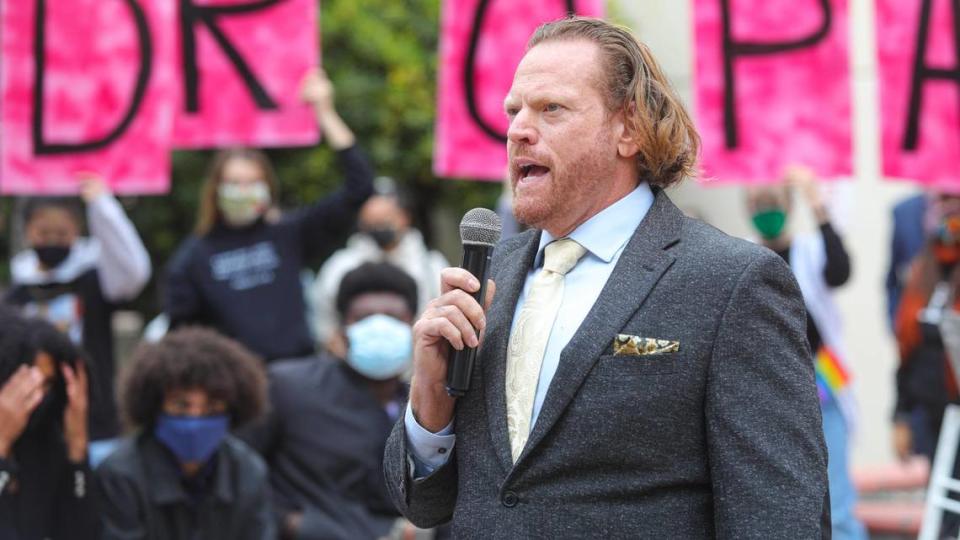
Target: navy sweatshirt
x,y
245,282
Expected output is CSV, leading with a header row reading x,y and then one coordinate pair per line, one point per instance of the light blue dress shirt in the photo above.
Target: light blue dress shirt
x,y
604,236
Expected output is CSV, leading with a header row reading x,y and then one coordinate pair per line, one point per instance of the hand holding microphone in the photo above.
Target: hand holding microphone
x,y
448,332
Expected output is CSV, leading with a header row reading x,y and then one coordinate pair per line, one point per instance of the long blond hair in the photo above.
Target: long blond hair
x,y
635,84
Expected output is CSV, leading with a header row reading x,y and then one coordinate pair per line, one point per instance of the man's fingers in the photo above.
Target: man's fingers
x,y
465,320
456,317
68,376
82,378
33,399
440,327
24,381
468,306
78,375
14,384
458,278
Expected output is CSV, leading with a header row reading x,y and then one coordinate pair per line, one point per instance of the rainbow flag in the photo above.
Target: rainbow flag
x,y
832,377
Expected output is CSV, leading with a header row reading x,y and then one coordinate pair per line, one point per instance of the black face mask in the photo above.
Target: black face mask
x,y
52,256
384,236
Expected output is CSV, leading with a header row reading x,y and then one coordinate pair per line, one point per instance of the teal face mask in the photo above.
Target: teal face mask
x,y
770,222
380,347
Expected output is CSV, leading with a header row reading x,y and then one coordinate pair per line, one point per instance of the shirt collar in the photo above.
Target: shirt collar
x,y
605,234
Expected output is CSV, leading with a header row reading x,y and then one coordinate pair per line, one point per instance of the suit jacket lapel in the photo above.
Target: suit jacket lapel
x,y
641,265
509,279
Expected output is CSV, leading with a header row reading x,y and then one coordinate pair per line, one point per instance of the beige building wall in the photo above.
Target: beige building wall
x,y
864,213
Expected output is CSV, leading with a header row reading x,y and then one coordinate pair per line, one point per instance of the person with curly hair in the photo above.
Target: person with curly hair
x,y
44,469
182,475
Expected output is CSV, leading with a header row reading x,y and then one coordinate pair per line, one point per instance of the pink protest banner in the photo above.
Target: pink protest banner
x,y
481,44
772,88
919,83
98,96
243,62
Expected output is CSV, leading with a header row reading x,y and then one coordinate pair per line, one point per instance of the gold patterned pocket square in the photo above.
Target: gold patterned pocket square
x,y
627,345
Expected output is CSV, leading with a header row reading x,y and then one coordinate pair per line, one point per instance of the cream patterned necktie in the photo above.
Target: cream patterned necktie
x,y
530,334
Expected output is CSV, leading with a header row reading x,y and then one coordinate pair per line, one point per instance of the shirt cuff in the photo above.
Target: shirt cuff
x,y
429,451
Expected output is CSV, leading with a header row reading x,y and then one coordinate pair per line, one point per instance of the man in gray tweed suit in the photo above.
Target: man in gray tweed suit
x,y
641,374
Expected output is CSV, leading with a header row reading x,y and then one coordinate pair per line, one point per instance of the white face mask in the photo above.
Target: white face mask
x,y
241,205
380,346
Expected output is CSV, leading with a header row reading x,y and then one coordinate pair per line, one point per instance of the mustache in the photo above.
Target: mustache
x,y
521,151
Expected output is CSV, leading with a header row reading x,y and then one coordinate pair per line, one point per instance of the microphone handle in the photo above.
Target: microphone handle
x,y
476,260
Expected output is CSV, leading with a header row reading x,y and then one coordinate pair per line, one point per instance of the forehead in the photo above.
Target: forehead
x,y
186,394
568,67
52,216
372,303
769,192
242,167
379,206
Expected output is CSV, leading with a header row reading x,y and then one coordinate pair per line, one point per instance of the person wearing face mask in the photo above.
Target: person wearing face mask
x,y
821,264
330,417
385,234
77,282
240,272
45,478
182,476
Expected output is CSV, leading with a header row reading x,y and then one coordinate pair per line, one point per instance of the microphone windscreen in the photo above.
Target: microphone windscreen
x,y
480,226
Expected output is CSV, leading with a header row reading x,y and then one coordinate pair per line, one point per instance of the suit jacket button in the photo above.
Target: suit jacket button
x,y
510,499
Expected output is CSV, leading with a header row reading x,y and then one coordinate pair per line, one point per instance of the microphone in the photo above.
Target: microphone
x,y
479,231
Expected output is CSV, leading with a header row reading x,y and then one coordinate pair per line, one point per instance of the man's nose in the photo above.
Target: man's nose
x,y
522,129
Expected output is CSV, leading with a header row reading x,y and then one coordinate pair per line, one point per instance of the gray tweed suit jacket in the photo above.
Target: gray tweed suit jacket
x,y
721,439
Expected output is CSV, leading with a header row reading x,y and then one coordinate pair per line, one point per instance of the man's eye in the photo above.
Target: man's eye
x,y
553,107
512,111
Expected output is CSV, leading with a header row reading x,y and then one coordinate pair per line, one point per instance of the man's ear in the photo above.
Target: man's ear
x,y
628,142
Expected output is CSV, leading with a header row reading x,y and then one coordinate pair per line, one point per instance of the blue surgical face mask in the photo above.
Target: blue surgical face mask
x,y
193,439
380,346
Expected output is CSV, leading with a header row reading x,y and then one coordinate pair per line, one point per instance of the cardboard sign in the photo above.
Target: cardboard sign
x,y
87,86
243,62
919,88
773,88
481,45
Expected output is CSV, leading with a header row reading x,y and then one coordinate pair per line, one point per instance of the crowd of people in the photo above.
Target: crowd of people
x,y
265,409
262,409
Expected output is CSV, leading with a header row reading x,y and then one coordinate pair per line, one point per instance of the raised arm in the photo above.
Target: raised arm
x,y
336,213
124,264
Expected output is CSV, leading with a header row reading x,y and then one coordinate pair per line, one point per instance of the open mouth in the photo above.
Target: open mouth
x,y
532,171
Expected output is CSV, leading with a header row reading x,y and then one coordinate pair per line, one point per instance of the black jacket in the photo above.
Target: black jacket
x,y
245,282
324,441
144,498
43,495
